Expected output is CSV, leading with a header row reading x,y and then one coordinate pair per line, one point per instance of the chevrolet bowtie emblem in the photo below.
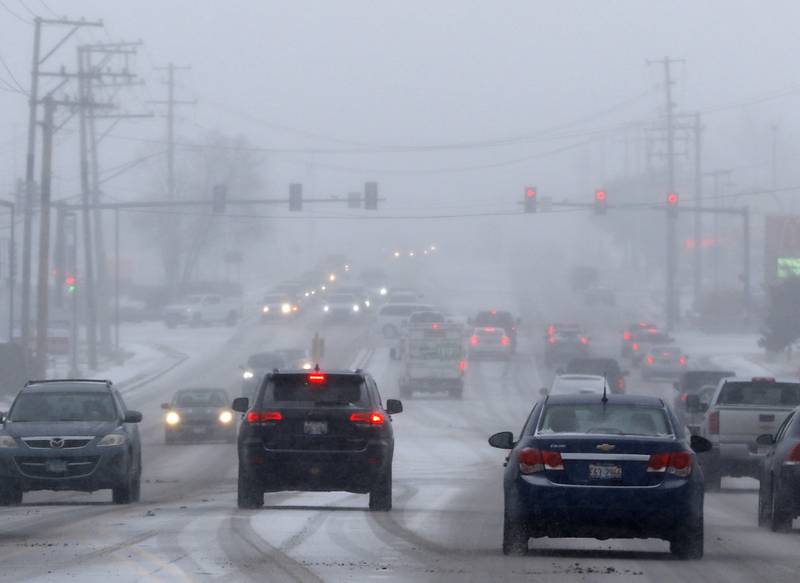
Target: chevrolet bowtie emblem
x,y
606,447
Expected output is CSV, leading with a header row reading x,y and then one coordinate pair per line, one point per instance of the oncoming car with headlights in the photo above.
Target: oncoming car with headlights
x,y
275,306
199,414
257,366
70,435
341,306
616,466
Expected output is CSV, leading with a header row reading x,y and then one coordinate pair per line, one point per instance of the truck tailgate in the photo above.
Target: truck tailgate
x,y
744,424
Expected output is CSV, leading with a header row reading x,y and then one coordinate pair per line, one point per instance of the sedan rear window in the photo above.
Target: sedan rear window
x,y
49,407
609,419
333,390
764,394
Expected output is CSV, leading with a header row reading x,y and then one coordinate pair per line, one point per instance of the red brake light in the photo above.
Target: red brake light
x,y
493,312
682,361
473,340
677,463
763,380
793,459
635,347
504,341
626,335
317,378
551,339
462,365
684,397
551,330
532,460
584,340
658,462
713,423
435,326
552,460
264,416
621,383
374,418
650,360
488,329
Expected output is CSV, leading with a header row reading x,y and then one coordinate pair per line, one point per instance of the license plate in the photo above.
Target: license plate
x,y
56,466
315,427
605,472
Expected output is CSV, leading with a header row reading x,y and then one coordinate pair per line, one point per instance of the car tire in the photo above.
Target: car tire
x,y
687,542
10,494
712,473
515,537
124,492
249,494
380,497
780,520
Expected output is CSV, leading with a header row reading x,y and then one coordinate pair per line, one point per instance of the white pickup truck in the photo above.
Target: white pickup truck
x,y
200,309
433,359
740,410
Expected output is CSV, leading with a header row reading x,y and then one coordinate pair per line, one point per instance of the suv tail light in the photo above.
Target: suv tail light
x,y
682,361
462,365
626,335
264,416
713,423
621,383
504,341
793,459
373,418
650,360
584,340
473,340
532,460
677,463
635,347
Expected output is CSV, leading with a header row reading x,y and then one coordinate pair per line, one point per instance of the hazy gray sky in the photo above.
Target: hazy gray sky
x,y
423,72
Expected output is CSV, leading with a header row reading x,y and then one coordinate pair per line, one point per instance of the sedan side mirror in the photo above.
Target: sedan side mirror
x,y
502,440
699,444
240,404
394,406
165,406
133,417
765,439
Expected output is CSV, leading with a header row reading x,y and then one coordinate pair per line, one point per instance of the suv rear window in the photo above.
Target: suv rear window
x,y
758,394
335,390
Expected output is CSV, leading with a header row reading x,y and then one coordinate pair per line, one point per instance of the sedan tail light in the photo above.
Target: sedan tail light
x,y
373,418
682,361
713,423
626,335
621,383
532,460
793,459
677,463
474,340
650,360
504,340
264,416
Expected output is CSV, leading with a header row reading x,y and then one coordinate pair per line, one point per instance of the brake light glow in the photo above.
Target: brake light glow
x,y
793,459
462,365
435,326
677,463
373,418
684,397
650,360
551,339
317,378
551,330
584,340
264,416
488,329
621,383
682,361
635,347
713,423
504,340
626,335
532,460
474,340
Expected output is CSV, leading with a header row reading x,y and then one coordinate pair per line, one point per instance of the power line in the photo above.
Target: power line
x,y
25,6
14,14
11,74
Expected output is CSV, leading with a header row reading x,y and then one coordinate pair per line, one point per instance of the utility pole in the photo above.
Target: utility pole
x,y
30,157
671,300
172,248
42,321
697,265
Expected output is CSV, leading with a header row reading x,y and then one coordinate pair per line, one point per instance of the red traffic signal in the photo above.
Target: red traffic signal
x,y
672,199
69,280
600,202
530,199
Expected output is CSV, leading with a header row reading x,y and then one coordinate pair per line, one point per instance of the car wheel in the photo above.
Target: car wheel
x,y
249,494
780,518
10,494
515,537
712,474
123,493
687,542
380,497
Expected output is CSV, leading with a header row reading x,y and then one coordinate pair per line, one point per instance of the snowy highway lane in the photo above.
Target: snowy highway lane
x,y
446,522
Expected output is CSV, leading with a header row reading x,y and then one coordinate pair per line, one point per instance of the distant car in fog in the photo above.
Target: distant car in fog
x,y
600,296
278,306
489,343
629,335
644,341
498,319
563,342
663,361
199,413
338,305
296,358
391,318
200,309
257,366
607,367
576,384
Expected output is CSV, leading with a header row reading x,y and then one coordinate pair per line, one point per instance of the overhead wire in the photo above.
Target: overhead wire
x,y
14,14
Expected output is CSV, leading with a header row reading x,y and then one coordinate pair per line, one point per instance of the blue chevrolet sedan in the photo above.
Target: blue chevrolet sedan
x,y
592,466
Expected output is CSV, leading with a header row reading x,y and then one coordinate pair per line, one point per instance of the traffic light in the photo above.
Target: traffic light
x,y
600,202
218,198
295,197
371,196
530,199
69,282
672,204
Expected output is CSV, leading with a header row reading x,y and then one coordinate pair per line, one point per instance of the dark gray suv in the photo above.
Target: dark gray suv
x,y
70,435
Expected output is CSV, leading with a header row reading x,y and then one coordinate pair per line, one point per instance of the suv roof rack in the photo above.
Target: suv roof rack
x,y
106,382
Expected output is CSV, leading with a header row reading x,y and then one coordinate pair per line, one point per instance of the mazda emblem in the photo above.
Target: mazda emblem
x,y
57,442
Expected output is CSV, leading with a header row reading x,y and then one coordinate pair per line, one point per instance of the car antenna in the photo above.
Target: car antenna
x,y
316,367
604,400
